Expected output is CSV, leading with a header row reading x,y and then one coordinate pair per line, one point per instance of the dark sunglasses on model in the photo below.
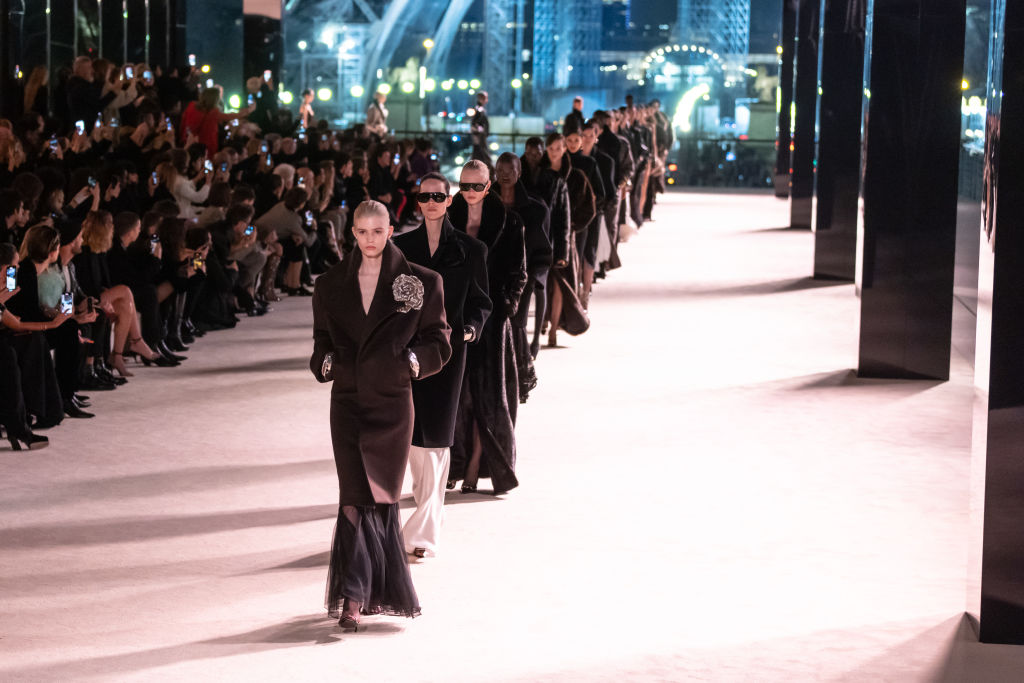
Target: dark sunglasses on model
x,y
475,187
424,197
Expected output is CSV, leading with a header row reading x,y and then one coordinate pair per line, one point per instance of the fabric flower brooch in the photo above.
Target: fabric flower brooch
x,y
408,291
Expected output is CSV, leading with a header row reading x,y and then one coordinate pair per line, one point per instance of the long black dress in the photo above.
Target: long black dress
x,y
372,420
461,261
490,394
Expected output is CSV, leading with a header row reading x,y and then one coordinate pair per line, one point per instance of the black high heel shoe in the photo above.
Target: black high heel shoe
x,y
469,488
163,349
349,615
160,362
32,442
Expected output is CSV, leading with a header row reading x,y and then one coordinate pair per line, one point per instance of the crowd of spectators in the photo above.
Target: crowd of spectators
x,y
136,215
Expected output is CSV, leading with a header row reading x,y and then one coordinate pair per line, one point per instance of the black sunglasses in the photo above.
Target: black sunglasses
x,y
424,197
476,187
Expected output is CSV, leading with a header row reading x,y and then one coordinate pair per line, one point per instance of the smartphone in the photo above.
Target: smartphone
x,y
252,100
12,278
433,157
99,121
91,181
309,218
53,144
156,180
302,137
197,263
208,165
129,72
397,159
67,303
270,161
209,82
224,168
250,230
267,75
80,127
263,148
113,122
191,60
300,181
323,138
153,242
148,75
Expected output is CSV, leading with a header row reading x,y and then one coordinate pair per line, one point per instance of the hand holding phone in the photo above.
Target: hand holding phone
x,y
67,303
12,278
250,229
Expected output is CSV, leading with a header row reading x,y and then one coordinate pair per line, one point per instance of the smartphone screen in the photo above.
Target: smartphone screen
x,y
208,165
267,75
92,181
263,148
67,301
148,75
224,168
80,127
270,161
251,99
250,230
396,158
53,144
99,121
129,72
113,122
309,218
12,278
156,180
191,60
209,82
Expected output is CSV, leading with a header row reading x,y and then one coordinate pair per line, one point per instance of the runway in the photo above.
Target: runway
x,y
707,493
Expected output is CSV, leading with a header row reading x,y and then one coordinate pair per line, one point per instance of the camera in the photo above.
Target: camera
x,y
67,302
250,230
12,278
80,127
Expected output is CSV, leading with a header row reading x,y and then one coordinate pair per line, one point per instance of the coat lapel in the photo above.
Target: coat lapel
x,y
384,304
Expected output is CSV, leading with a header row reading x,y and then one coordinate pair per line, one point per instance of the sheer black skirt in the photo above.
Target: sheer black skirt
x,y
368,563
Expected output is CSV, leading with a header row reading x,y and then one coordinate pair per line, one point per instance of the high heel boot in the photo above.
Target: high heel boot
x,y
173,338
16,436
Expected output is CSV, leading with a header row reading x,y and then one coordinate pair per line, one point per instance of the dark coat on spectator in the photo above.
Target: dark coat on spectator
x,y
371,398
461,261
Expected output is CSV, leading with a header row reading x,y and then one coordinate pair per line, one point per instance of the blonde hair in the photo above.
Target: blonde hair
x,y
477,165
36,80
167,174
95,231
369,208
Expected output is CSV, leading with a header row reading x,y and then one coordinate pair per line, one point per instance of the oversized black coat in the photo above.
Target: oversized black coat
x,y
461,261
371,399
490,393
549,187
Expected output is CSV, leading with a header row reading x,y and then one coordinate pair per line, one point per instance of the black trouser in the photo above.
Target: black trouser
x,y
148,306
12,401
67,356
39,387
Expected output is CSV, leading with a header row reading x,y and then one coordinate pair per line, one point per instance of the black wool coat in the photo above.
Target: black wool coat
x,y
461,261
371,399
502,232
490,392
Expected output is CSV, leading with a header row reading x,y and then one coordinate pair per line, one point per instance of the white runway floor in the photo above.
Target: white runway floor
x,y
707,493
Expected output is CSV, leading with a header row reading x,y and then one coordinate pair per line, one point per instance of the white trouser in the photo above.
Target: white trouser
x,y
429,475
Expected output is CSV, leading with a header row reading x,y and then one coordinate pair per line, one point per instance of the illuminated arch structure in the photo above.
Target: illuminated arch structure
x,y
688,73
374,30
